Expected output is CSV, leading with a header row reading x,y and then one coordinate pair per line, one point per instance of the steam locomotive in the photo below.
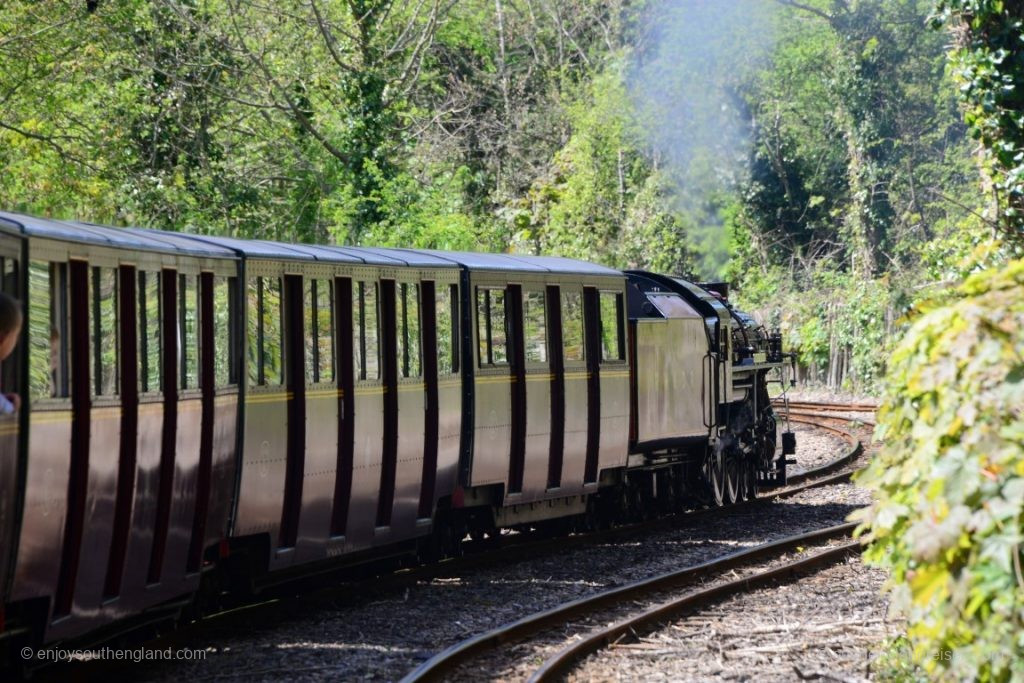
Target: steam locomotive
x,y
204,416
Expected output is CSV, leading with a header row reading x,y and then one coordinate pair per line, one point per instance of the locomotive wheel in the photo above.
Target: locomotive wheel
x,y
750,487
733,492
714,477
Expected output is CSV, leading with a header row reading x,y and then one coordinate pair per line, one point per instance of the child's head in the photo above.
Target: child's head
x,y
10,324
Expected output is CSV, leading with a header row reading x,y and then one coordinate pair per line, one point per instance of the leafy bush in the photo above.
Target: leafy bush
x,y
949,482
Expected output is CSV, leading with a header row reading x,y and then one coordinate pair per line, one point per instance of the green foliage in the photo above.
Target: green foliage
x,y
895,663
425,216
363,121
949,483
861,180
512,126
988,62
828,317
601,199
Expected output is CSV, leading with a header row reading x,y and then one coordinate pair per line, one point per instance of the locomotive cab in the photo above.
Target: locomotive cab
x,y
699,390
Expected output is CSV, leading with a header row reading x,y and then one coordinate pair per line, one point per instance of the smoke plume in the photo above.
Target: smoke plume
x,y
686,81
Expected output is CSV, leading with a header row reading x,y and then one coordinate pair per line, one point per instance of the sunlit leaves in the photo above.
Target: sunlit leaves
x,y
948,521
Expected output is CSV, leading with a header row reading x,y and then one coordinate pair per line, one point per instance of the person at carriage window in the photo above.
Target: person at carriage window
x,y
54,359
10,328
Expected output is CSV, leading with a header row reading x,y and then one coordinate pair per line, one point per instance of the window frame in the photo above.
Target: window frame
x,y
359,317
189,285
98,386
147,386
620,326
404,291
577,292
446,294
260,375
540,290
229,285
487,340
56,320
313,287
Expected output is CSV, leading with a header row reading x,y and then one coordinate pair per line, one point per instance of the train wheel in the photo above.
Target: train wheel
x,y
448,535
733,471
750,474
714,476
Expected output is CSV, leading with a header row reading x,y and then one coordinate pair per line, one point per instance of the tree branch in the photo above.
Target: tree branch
x,y
808,8
329,40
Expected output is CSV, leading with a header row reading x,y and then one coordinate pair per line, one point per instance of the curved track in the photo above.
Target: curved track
x,y
439,665
448,660
556,666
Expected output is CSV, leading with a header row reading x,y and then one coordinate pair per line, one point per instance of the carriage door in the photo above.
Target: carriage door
x,y
517,460
295,377
556,448
428,477
10,381
79,333
592,334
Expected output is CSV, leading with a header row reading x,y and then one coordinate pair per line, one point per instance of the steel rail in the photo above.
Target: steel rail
x,y
559,664
447,660
828,406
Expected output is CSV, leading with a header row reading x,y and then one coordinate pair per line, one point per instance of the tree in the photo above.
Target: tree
x,y
989,64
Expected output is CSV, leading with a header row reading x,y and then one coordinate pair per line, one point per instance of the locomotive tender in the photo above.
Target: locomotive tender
x,y
204,416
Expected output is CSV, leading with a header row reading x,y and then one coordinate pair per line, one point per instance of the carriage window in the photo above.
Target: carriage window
x,y
254,330
264,333
364,330
149,332
9,268
104,331
612,347
224,373
309,327
447,329
42,370
534,327
572,326
408,329
47,343
188,329
319,324
358,323
325,330
271,324
490,316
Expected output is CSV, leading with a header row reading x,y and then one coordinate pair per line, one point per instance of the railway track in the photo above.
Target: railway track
x,y
555,666
448,661
814,406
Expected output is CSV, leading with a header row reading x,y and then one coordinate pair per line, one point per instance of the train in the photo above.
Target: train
x,y
205,417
